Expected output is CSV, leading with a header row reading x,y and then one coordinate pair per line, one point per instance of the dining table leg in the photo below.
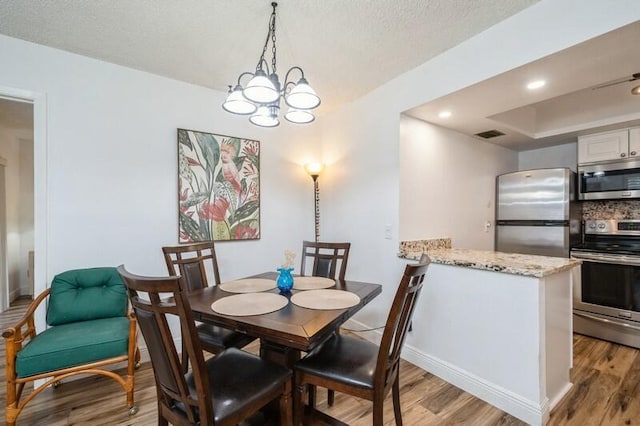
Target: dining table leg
x,y
279,354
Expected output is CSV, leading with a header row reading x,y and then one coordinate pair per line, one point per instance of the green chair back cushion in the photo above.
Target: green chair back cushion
x,y
86,294
68,345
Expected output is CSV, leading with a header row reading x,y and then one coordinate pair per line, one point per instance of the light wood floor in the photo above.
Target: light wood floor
x,y
606,391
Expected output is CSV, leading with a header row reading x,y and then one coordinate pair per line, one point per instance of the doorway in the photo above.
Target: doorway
x,y
16,200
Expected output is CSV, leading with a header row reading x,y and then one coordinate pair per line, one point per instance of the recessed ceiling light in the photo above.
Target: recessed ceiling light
x,y
536,84
444,114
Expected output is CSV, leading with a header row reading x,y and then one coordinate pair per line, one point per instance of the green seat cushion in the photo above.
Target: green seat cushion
x,y
86,294
74,344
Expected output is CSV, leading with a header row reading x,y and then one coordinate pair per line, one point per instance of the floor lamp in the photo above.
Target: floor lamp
x,y
314,169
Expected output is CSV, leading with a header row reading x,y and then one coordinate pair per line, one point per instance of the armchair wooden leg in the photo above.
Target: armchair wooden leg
x,y
12,411
331,395
12,414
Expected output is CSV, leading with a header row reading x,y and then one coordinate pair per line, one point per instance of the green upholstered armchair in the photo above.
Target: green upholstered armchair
x,y
90,327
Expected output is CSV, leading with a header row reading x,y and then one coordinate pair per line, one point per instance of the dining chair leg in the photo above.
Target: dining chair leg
x,y
397,412
331,395
298,406
312,391
162,421
286,409
378,405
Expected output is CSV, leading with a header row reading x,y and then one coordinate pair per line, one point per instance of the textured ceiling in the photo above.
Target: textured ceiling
x,y
346,47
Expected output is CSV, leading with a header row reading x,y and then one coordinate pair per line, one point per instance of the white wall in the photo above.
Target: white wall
x,y
555,156
447,184
112,161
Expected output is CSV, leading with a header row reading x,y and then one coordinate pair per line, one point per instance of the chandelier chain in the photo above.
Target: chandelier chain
x,y
273,40
266,42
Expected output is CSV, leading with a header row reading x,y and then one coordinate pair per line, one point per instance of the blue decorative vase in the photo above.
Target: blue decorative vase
x,y
285,280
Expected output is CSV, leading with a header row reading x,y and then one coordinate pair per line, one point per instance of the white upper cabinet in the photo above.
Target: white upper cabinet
x,y
606,146
634,142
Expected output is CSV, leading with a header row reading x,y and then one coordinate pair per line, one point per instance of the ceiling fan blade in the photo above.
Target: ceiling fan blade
x,y
635,76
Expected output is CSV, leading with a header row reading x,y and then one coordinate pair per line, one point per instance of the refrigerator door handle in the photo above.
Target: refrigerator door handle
x,y
532,222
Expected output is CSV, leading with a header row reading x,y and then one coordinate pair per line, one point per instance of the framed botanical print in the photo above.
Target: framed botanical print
x,y
218,187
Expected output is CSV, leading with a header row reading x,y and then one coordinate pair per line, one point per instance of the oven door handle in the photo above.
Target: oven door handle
x,y
608,321
603,258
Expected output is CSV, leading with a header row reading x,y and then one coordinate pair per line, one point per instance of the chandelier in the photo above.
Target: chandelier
x,y
260,98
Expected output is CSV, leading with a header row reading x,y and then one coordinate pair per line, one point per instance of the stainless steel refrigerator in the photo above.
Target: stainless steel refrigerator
x,y
537,212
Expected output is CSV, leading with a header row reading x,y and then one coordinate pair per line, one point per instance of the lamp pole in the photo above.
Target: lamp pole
x,y
314,170
316,205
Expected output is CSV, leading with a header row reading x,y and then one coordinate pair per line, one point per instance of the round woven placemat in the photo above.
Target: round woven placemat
x,y
241,305
312,283
248,285
325,299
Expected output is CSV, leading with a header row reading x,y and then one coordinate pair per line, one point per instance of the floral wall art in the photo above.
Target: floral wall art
x,y
219,187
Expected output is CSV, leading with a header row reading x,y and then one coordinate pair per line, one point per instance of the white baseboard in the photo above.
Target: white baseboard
x,y
557,398
13,295
514,404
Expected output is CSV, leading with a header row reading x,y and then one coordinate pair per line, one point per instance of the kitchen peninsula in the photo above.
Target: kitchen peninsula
x,y
497,325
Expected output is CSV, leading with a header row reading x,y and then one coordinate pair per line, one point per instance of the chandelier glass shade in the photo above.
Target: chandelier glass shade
x,y
260,98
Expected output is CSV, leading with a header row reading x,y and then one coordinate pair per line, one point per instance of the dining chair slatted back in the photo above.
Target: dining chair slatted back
x,y
329,260
152,318
193,263
358,367
325,258
398,321
223,390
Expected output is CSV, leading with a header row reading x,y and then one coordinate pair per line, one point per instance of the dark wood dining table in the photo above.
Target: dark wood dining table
x,y
285,333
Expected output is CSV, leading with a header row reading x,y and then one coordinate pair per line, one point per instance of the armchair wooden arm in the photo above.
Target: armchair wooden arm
x,y
14,336
27,317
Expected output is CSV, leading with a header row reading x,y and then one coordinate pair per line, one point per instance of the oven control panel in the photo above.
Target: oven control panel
x,y
612,227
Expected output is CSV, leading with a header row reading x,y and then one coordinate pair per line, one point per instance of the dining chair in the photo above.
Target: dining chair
x,y
360,368
224,390
193,263
324,259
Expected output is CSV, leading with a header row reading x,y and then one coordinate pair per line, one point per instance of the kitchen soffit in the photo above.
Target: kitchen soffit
x,y
566,107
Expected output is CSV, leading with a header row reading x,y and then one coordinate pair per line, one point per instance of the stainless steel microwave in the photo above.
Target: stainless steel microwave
x,y
612,180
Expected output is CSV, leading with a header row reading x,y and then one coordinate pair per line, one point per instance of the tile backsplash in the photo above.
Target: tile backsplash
x,y
611,209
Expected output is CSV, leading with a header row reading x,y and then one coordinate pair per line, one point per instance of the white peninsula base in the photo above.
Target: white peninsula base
x,y
502,336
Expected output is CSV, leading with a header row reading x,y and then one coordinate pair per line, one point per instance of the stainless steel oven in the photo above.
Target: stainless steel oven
x,y
607,293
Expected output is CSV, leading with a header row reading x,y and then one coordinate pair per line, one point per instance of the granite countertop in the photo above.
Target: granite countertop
x,y
508,263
